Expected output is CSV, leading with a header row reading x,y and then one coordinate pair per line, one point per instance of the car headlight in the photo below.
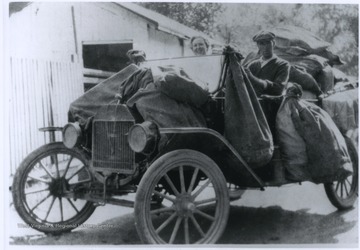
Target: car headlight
x,y
143,137
71,135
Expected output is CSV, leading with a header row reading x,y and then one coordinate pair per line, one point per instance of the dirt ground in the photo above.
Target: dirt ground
x,y
293,215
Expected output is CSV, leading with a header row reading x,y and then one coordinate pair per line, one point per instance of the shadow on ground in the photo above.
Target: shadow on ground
x,y
246,225
273,225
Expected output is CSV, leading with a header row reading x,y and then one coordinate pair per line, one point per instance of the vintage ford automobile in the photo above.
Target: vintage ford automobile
x,y
184,177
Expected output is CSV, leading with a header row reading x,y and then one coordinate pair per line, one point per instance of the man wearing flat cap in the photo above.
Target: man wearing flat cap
x,y
136,56
268,74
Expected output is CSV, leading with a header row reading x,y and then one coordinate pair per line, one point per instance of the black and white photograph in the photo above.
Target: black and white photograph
x,y
201,124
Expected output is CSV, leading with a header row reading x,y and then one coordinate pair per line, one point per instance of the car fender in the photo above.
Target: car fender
x,y
218,148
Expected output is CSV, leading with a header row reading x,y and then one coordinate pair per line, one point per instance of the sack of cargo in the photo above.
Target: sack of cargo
x,y
292,145
325,79
332,59
291,36
246,127
326,149
305,80
325,145
177,85
166,112
300,42
312,64
125,83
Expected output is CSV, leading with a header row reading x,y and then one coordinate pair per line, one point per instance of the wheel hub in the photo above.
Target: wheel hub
x,y
58,187
185,205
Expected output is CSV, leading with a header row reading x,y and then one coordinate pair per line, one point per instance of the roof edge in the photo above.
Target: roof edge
x,y
136,13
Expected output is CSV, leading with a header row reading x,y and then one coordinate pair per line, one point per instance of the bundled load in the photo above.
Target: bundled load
x,y
300,42
305,80
172,100
289,37
311,61
317,68
301,48
87,105
302,127
299,71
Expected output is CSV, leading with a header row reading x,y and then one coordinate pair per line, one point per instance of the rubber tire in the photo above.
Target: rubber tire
x,y
32,158
159,168
337,201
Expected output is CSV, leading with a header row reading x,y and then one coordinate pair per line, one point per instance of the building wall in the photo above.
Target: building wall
x,y
106,22
156,48
42,31
126,25
56,31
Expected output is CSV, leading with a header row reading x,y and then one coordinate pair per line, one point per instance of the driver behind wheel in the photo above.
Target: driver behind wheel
x,y
268,74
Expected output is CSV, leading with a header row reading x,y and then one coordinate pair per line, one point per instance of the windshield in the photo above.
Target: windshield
x,y
204,70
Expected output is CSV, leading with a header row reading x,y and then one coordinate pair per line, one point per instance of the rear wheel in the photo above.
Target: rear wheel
x,y
195,200
43,187
343,194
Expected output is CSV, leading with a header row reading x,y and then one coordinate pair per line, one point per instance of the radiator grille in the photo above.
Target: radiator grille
x,y
111,150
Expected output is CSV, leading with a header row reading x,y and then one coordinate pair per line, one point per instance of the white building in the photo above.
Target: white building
x,y
70,31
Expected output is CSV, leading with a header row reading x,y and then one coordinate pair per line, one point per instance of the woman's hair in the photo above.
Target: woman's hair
x,y
195,37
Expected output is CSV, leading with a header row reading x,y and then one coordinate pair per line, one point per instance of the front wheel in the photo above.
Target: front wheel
x,y
43,189
343,194
195,200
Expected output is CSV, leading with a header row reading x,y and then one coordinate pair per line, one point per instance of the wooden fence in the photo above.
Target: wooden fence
x,y
41,92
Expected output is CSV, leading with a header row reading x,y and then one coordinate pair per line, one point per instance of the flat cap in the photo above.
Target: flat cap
x,y
264,35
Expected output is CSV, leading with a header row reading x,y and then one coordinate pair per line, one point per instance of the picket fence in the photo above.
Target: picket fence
x,y
40,95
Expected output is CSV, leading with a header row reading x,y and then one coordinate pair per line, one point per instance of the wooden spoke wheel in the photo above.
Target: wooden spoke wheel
x,y
343,193
195,200
43,189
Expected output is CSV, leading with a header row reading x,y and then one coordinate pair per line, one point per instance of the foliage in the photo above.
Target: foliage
x,y
200,16
337,24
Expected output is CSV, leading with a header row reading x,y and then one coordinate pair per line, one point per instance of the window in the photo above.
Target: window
x,y
106,56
